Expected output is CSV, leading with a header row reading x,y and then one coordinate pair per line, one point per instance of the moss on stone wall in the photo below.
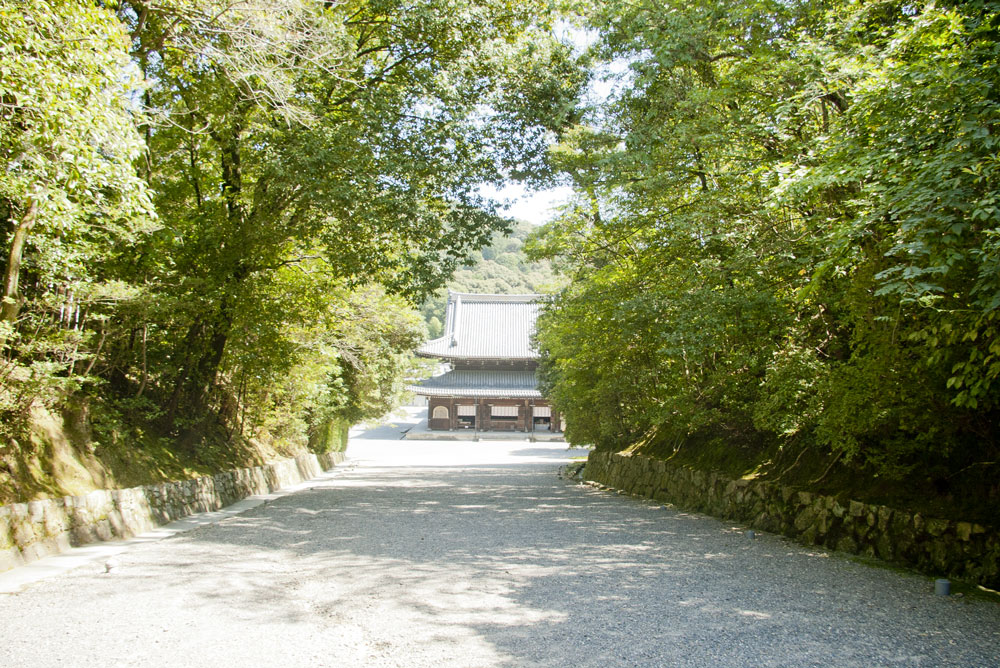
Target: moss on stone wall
x,y
30,531
964,550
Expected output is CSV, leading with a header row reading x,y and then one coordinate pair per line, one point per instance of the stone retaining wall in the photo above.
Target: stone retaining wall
x,y
30,531
962,550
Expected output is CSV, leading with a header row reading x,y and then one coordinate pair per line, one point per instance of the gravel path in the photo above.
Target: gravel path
x,y
477,554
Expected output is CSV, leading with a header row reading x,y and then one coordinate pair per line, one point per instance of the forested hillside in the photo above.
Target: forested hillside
x,y
503,267
784,252
220,215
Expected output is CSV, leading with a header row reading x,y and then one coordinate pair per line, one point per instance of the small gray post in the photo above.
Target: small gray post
x,y
942,587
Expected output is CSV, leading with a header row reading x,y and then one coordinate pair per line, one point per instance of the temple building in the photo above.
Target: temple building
x,y
490,384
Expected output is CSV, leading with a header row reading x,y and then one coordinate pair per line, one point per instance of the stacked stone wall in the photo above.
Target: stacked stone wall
x,y
30,531
962,550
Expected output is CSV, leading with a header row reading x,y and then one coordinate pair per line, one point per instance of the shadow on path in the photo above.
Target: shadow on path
x,y
430,554
518,568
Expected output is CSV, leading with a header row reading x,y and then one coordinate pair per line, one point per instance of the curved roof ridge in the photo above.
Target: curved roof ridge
x,y
518,383
490,297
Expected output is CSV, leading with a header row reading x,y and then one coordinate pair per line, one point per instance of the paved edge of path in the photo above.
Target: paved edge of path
x,y
17,579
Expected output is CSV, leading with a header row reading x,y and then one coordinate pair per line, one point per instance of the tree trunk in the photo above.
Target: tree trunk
x,y
204,347
11,303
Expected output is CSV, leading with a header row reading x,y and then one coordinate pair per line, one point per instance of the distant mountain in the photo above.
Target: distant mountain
x,y
500,268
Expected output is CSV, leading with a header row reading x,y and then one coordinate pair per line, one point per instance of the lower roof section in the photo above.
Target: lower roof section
x,y
504,384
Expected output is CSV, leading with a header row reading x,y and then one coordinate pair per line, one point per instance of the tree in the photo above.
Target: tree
x,y
68,191
67,141
313,171
351,134
785,233
680,316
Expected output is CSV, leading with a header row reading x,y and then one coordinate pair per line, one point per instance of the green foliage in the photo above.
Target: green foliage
x,y
68,191
67,134
785,233
312,170
348,137
332,437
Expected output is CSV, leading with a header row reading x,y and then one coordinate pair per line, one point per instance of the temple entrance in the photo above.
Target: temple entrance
x,y
541,418
504,418
465,416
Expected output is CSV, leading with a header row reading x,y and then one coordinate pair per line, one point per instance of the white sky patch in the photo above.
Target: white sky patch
x,y
534,206
611,80
580,37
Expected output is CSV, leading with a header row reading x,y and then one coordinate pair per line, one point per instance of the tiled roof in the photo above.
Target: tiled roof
x,y
487,327
502,384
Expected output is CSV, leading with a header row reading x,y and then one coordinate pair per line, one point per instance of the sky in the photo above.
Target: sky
x,y
535,206
540,206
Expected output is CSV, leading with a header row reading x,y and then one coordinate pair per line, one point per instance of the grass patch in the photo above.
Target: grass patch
x,y
76,451
963,591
